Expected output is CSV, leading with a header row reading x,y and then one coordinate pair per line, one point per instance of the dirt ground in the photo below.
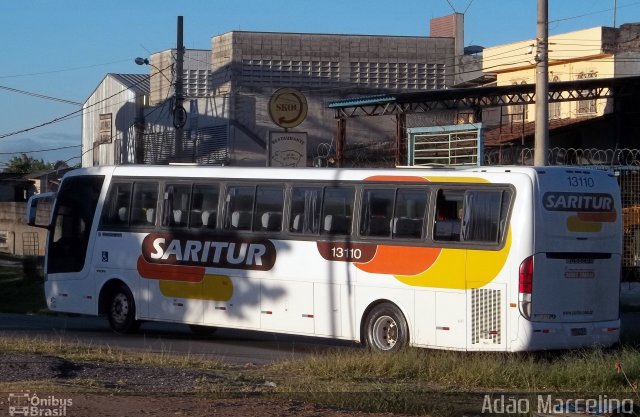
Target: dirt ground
x,y
120,405
90,389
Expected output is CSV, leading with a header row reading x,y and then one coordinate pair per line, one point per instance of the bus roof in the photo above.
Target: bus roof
x,y
327,174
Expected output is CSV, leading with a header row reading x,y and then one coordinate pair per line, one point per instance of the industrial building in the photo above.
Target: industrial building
x,y
227,91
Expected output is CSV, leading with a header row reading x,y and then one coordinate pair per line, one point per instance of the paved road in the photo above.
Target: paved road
x,y
232,346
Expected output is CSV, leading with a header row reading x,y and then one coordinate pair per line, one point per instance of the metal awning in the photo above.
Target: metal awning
x,y
481,97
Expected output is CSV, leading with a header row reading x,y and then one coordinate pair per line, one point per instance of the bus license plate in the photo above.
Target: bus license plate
x,y
579,331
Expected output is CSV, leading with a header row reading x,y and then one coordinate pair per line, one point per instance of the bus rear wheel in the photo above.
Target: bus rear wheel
x,y
386,329
122,311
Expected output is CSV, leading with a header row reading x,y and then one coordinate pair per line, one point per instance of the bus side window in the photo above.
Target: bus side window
x,y
176,205
204,206
337,210
485,215
305,210
410,211
145,201
377,212
117,205
269,206
448,215
239,207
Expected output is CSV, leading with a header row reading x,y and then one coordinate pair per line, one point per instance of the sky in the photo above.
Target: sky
x,y
62,49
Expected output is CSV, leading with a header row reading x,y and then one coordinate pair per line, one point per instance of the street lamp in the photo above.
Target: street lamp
x,y
142,61
145,61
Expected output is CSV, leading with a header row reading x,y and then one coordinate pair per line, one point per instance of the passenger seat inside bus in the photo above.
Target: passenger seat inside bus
x,y
271,221
296,225
209,218
447,230
241,220
177,218
123,215
336,224
407,227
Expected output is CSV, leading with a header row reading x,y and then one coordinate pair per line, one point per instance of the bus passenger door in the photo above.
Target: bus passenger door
x,y
70,243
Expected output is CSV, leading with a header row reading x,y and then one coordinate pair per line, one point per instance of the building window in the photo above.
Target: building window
x,y
585,107
554,108
519,112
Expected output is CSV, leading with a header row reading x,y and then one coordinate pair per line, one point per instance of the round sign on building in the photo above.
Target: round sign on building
x,y
287,107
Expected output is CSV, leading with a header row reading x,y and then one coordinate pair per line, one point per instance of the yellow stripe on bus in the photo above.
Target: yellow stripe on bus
x,y
211,288
449,270
574,224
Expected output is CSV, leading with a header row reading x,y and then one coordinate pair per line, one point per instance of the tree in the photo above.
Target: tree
x,y
25,164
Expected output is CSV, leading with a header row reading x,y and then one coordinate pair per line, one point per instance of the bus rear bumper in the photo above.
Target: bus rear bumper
x,y
554,336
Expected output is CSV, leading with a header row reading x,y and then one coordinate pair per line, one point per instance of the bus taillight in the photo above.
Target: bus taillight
x,y
526,276
525,287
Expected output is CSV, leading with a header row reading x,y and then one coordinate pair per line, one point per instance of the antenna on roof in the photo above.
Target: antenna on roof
x,y
452,8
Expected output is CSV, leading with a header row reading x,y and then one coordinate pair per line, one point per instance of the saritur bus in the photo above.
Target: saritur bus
x,y
483,259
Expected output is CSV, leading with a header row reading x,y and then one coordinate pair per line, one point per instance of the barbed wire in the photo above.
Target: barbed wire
x,y
519,155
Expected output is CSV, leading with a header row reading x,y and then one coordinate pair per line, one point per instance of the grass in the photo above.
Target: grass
x,y
81,352
413,381
589,370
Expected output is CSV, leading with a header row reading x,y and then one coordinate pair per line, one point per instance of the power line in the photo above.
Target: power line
x,y
29,93
69,115
62,70
40,150
592,13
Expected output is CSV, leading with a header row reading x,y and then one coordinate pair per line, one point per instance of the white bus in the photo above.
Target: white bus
x,y
496,258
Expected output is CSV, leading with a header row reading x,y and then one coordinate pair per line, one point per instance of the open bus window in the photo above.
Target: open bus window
x,y
305,210
269,206
176,205
337,210
204,206
448,222
143,206
239,207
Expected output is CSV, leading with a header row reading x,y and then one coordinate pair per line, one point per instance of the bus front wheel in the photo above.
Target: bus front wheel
x,y
122,311
386,328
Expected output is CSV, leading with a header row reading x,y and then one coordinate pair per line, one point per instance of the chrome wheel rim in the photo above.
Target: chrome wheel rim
x,y
120,308
385,332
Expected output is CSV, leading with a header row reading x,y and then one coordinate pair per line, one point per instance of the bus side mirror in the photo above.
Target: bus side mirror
x,y
32,208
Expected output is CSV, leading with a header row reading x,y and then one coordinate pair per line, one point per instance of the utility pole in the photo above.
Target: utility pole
x,y
179,113
542,85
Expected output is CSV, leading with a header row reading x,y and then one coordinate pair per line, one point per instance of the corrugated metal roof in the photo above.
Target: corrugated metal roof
x,y
136,82
361,101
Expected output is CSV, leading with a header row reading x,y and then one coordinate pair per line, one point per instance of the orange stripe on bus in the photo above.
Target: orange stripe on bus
x,y
399,178
607,217
401,260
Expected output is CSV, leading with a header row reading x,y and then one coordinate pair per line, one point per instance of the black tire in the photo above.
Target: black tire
x,y
201,330
386,329
121,311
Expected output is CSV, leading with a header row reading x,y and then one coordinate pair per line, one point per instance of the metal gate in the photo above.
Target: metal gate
x,y
30,244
